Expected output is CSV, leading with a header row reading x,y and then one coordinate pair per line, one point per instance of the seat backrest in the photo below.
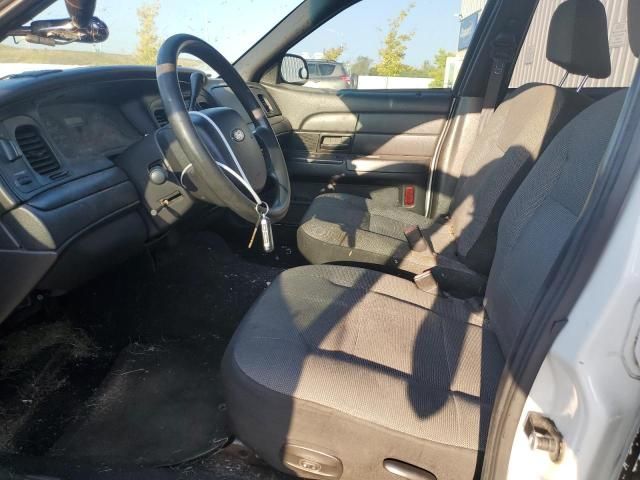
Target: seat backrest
x,y
541,215
521,127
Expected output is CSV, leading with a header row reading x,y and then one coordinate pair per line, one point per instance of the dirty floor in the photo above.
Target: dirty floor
x,y
57,367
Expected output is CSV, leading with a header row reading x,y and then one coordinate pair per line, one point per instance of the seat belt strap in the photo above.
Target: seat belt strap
x,y
502,54
415,239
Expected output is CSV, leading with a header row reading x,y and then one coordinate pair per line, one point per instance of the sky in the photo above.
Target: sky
x,y
362,27
232,26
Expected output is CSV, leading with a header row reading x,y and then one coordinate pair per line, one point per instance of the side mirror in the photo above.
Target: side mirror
x,y
294,70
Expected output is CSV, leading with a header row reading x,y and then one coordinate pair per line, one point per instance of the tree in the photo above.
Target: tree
x,y
334,53
394,46
148,41
361,66
436,69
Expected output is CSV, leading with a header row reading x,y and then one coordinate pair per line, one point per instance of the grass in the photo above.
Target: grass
x,y
60,56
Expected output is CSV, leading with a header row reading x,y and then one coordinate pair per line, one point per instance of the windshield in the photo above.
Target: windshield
x,y
138,27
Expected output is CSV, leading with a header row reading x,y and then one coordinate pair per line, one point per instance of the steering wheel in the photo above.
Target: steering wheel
x,y
225,152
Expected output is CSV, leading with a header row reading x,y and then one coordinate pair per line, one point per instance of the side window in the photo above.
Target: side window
x,y
532,64
378,44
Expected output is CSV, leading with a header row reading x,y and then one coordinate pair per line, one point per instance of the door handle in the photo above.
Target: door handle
x,y
335,142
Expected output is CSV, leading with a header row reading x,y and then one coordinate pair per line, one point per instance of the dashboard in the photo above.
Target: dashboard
x,y
90,172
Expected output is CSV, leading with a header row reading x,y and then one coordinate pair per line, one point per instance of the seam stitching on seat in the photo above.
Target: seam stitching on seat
x,y
548,194
440,315
406,260
409,378
446,357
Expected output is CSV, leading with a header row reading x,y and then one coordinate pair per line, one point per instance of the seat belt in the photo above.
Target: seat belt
x,y
502,54
503,50
415,239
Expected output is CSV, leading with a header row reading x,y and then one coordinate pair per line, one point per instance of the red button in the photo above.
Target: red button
x,y
409,196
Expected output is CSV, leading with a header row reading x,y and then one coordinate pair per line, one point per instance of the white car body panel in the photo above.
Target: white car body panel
x,y
587,384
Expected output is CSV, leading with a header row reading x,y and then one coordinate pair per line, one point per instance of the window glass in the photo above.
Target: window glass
x,y
326,69
532,64
138,27
378,44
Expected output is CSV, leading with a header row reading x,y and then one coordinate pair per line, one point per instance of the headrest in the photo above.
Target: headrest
x,y
578,38
633,26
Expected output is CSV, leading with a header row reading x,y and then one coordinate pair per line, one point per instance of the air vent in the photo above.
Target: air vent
x,y
161,117
265,104
36,150
186,96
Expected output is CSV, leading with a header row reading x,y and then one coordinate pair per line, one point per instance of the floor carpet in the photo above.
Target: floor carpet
x,y
123,372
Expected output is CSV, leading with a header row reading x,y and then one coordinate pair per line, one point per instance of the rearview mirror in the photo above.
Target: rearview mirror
x,y
81,26
294,70
81,12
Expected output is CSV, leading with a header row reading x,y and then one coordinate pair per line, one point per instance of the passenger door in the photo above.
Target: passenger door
x,y
374,131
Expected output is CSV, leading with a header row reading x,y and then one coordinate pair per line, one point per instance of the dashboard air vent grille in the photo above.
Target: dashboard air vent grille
x,y
268,109
161,117
36,150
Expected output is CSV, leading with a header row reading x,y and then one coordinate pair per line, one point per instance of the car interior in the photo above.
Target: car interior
x,y
239,277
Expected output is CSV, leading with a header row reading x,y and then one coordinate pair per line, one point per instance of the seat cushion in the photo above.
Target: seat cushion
x,y
348,228
331,354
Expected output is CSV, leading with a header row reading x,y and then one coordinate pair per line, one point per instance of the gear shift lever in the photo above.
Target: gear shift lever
x,y
196,80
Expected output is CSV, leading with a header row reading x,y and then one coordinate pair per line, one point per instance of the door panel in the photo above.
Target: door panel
x,y
407,123
330,122
420,147
375,144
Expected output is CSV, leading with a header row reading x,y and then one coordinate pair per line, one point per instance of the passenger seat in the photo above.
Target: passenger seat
x,y
349,228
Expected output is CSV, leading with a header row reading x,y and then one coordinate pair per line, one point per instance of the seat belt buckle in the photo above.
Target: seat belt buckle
x,y
425,281
415,239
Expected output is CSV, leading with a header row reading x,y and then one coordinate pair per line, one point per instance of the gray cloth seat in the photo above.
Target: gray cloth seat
x,y
332,345
336,369
364,366
341,227
348,228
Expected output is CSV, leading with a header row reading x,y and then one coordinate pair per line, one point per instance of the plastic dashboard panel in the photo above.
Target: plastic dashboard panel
x,y
98,207
59,228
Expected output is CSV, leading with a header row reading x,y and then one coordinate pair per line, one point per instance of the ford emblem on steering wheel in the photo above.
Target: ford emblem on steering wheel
x,y
237,134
